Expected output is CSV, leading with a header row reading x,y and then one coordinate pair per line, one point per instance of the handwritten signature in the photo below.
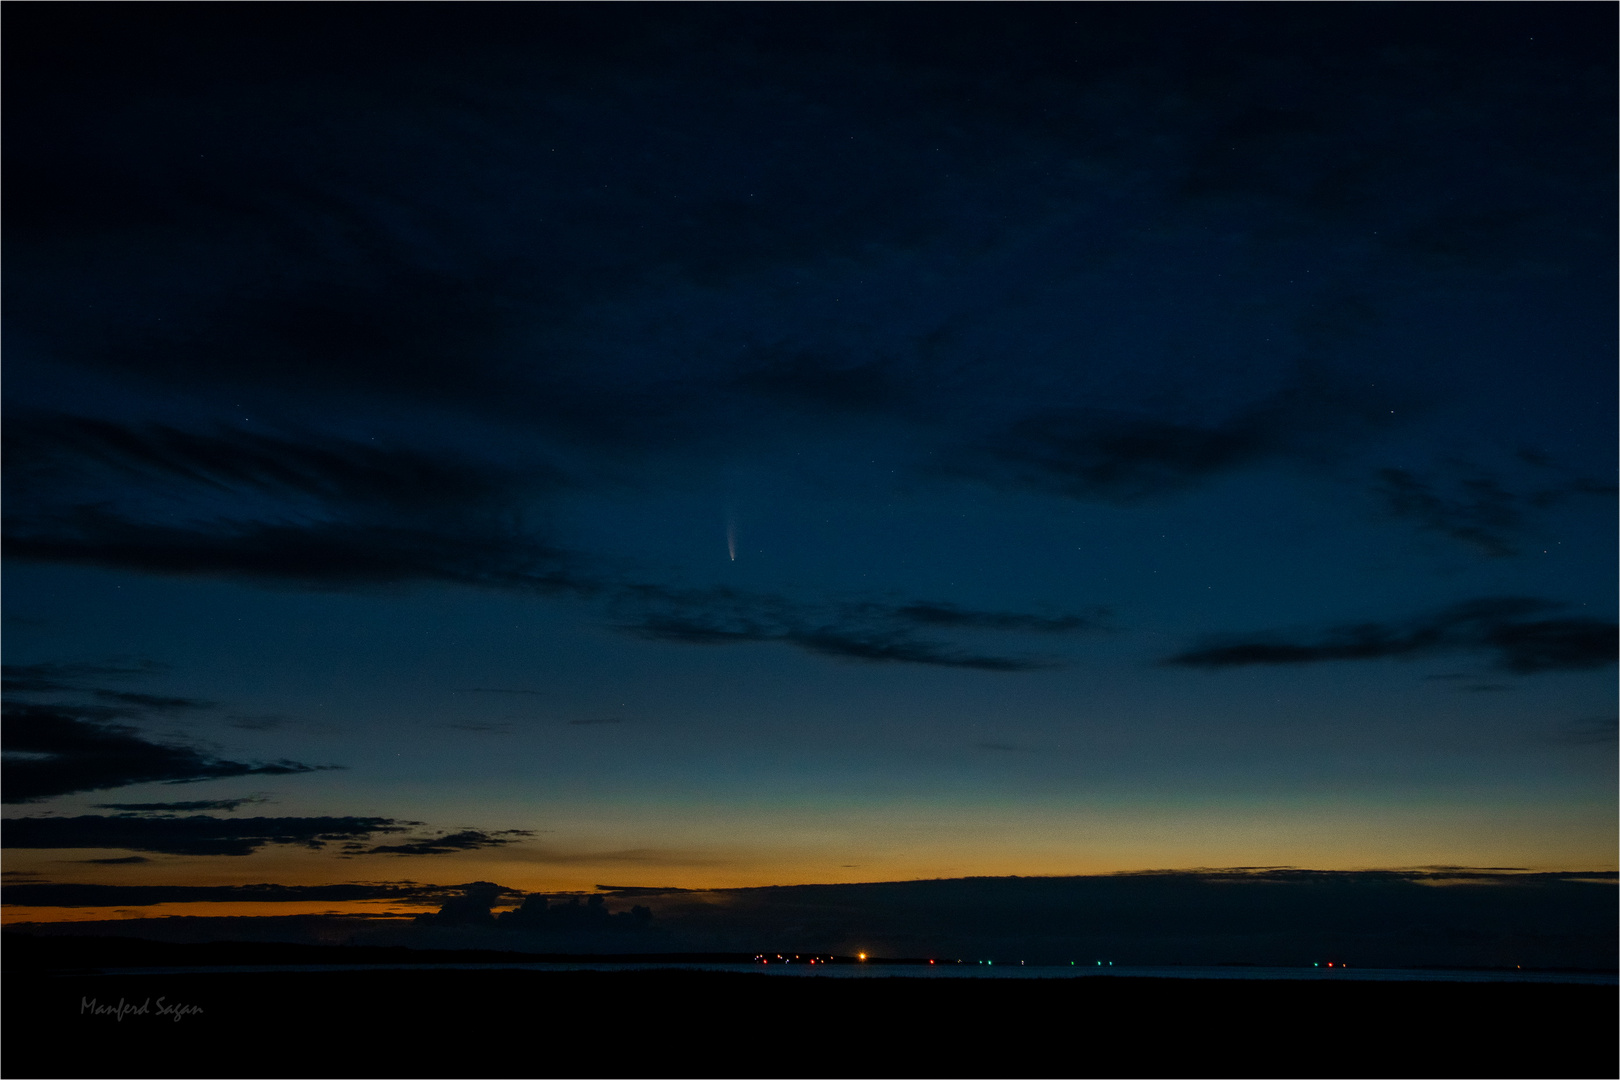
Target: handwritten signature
x,y
158,1008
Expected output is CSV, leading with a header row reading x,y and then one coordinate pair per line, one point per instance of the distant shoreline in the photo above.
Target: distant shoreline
x,y
53,955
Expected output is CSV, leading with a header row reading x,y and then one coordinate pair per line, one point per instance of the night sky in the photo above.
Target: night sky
x,y
717,446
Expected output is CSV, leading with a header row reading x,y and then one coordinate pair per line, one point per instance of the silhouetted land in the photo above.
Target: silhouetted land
x,y
1455,919
414,1022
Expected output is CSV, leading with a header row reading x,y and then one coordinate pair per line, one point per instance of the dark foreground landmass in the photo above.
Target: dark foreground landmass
x,y
67,1021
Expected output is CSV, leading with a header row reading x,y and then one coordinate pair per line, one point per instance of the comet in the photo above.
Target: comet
x,y
731,536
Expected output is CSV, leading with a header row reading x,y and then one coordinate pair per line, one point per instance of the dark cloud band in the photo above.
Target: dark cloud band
x,y
71,894
60,749
1512,631
871,632
201,834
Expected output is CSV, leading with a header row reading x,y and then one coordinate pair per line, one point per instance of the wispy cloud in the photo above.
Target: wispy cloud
x,y
334,514
59,749
1513,631
70,894
872,632
76,452
169,833
183,807
466,840
152,702
124,860
315,510
193,835
949,615
1126,459
49,677
1593,731
1471,506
